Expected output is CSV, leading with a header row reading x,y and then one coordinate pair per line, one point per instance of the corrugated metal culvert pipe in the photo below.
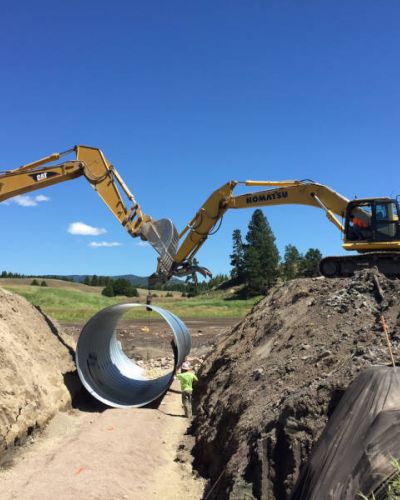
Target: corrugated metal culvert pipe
x,y
109,374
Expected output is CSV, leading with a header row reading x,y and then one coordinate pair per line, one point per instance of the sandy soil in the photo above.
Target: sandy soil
x,y
106,454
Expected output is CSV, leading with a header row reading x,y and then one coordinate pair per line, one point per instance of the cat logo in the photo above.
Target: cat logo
x,y
43,176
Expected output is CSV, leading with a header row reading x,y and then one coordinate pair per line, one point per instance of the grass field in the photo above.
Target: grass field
x,y
76,303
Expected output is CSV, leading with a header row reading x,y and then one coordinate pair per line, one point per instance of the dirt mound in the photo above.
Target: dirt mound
x,y
267,391
36,367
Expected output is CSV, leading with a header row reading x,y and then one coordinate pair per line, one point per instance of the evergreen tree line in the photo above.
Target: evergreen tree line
x,y
104,281
95,280
257,264
6,274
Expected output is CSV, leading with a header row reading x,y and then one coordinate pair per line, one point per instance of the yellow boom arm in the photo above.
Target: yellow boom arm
x,y
282,192
91,163
94,166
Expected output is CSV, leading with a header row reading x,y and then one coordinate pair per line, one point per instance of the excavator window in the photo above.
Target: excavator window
x,y
359,221
373,220
386,221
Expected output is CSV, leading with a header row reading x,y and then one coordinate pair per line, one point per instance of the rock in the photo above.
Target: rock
x,y
257,373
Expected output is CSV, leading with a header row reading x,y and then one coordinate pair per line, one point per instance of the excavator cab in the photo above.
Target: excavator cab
x,y
373,220
372,229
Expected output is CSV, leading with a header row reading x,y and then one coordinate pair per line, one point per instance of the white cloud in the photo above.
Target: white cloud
x,y
142,244
107,244
24,200
42,197
84,229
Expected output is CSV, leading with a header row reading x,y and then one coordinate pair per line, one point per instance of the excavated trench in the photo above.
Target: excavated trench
x,y
38,370
266,390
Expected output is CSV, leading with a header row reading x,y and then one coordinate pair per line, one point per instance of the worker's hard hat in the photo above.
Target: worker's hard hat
x,y
186,366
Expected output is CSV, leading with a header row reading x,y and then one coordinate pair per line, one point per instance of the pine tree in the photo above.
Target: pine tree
x,y
237,257
310,264
261,255
292,263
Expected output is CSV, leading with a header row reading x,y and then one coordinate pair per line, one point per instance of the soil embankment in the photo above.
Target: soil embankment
x,y
267,391
37,371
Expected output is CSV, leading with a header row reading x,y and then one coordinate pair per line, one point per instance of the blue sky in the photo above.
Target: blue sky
x,y
183,96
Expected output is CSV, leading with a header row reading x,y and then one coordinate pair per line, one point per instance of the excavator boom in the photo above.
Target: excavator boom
x,y
91,163
382,251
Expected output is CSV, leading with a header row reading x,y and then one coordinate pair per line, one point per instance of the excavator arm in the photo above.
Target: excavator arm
x,y
101,174
210,214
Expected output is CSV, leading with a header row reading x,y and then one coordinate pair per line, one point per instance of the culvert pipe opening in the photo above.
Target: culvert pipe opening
x,y
109,374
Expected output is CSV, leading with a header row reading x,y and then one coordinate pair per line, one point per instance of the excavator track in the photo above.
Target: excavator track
x,y
343,266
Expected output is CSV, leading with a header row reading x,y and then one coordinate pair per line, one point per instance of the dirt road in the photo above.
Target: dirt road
x,y
105,454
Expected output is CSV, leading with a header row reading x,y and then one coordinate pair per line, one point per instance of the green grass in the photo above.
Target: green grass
x,y
392,488
75,306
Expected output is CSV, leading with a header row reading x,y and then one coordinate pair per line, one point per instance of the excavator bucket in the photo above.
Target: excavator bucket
x,y
163,237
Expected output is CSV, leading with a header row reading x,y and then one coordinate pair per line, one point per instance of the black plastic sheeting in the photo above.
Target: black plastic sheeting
x,y
354,452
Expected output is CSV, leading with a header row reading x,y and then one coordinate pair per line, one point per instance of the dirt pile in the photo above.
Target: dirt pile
x,y
267,391
36,367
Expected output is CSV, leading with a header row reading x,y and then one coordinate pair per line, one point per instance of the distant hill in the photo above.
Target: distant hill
x,y
139,281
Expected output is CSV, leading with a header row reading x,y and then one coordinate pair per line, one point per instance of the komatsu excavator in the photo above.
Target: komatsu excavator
x,y
369,226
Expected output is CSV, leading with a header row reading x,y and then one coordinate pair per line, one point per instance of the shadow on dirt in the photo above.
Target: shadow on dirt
x,y
85,402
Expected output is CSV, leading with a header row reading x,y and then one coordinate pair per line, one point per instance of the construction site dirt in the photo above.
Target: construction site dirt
x,y
267,386
266,392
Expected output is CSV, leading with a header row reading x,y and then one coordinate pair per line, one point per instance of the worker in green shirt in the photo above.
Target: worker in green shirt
x,y
186,378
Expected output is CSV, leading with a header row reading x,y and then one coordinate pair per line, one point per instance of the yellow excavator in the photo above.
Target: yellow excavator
x,y
369,226
102,175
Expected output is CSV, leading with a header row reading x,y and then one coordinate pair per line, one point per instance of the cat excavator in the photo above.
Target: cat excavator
x,y
369,226
91,163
